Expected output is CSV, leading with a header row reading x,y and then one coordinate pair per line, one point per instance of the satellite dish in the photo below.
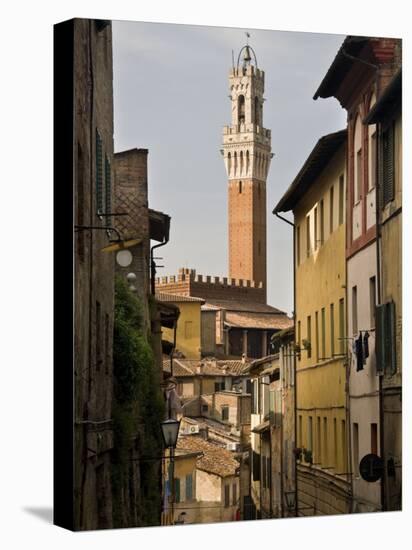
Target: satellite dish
x,y
124,258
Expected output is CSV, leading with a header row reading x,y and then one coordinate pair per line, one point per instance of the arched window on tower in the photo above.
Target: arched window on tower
x,y
258,118
229,163
247,162
240,187
235,164
241,109
241,164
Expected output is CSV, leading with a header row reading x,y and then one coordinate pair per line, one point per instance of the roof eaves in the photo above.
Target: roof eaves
x,y
340,65
321,154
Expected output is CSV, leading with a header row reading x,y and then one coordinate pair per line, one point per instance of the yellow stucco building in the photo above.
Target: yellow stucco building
x,y
317,199
188,335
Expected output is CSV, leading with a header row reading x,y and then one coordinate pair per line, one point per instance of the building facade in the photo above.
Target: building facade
x,y
316,198
361,71
386,114
93,272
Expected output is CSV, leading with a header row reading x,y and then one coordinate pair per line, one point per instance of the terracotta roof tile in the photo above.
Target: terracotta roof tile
x,y
257,320
215,460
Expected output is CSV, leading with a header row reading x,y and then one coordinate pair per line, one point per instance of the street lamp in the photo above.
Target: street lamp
x,y
170,431
290,497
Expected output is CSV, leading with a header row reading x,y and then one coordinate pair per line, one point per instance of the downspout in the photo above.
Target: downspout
x,y
379,300
153,264
294,360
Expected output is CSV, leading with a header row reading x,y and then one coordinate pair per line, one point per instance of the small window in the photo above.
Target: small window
x,y
323,333
318,441
225,412
310,434
341,199
358,178
372,167
177,490
234,494
317,335
227,496
189,487
354,310
307,236
309,336
240,187
205,408
335,443
342,325
331,212
325,457
322,223
332,330
316,229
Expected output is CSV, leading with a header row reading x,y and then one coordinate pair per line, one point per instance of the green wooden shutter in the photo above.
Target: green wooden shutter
x,y
189,487
99,174
386,339
177,490
108,189
388,165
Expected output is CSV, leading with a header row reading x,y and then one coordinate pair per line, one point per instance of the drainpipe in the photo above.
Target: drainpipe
x,y
153,264
379,301
294,358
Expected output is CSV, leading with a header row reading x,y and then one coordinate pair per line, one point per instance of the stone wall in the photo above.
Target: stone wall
x,y
188,283
93,275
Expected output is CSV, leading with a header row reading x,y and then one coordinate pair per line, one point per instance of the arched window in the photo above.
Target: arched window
x,y
358,160
241,109
241,164
229,163
235,164
257,112
240,187
372,149
247,162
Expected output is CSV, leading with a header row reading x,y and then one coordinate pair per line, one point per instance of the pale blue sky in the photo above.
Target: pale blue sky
x,y
171,97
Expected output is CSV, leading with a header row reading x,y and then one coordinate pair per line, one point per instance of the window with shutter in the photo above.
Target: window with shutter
x,y
107,189
177,490
388,165
189,487
99,174
256,466
227,496
385,339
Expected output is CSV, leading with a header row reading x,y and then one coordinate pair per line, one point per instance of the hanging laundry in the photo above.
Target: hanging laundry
x,y
359,352
365,346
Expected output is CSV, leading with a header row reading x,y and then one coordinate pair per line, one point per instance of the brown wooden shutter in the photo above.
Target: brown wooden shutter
x,y
388,165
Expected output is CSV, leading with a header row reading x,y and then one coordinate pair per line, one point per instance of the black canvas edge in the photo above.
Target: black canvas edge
x,y
63,308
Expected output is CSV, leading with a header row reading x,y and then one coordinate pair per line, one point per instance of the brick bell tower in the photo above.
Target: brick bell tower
x,y
247,155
